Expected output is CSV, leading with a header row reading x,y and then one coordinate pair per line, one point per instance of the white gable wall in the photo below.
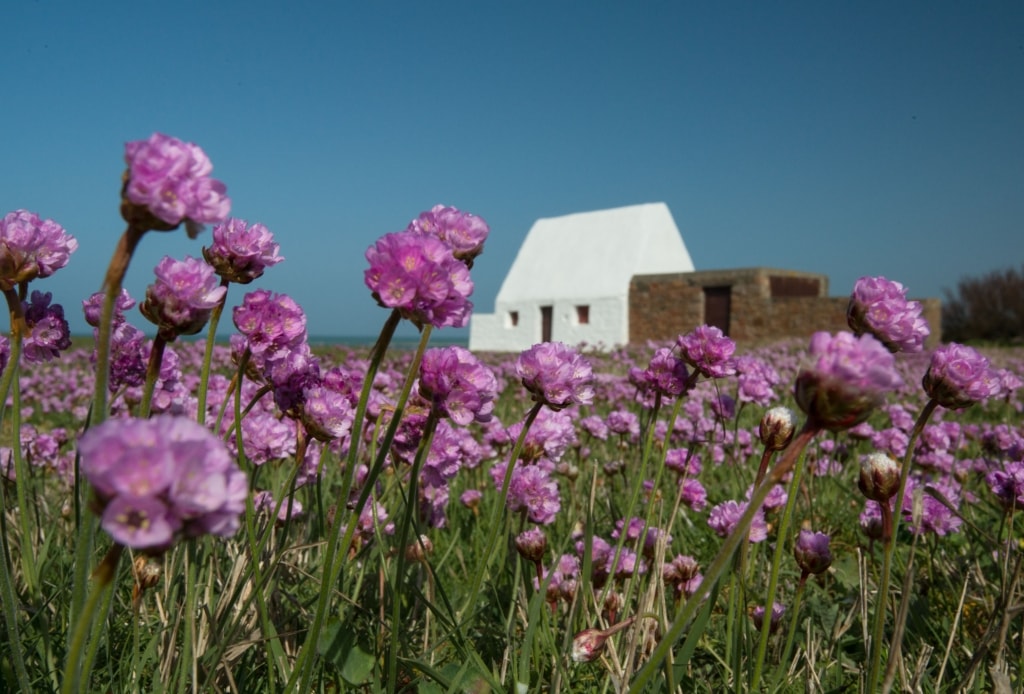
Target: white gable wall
x,y
585,259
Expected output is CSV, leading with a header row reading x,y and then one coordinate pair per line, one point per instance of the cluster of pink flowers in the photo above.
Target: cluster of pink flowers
x,y
240,253
160,479
272,333
845,380
31,247
959,376
171,180
556,375
463,232
709,351
183,297
423,272
457,385
879,306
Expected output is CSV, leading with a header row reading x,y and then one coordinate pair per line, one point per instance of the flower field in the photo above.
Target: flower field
x,y
262,516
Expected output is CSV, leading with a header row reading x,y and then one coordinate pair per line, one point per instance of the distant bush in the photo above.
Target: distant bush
x,y
989,307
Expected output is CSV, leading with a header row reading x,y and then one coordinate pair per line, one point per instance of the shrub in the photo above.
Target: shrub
x,y
989,308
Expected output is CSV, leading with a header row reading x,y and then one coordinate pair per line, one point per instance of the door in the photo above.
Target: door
x,y
717,306
545,323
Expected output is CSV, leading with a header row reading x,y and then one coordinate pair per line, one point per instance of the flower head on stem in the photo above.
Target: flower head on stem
x,y
417,275
168,182
879,306
845,379
709,351
556,375
959,376
183,296
240,253
160,479
31,247
463,232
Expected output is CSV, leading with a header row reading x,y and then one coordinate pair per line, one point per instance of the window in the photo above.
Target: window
x,y
583,314
513,318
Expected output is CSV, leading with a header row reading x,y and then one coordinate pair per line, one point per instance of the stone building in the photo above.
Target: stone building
x,y
750,305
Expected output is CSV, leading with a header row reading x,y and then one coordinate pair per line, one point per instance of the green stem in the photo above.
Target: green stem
x,y
498,511
634,499
9,384
724,557
211,339
257,544
156,358
794,623
75,671
304,661
773,581
10,602
411,502
888,549
112,290
188,662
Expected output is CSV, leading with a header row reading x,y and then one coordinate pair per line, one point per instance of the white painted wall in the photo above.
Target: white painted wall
x,y
588,259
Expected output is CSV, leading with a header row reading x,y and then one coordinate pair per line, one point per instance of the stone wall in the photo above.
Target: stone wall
x,y
664,306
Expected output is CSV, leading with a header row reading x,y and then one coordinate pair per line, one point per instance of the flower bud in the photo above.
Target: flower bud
x,y
776,429
532,544
812,552
776,617
879,477
588,645
418,551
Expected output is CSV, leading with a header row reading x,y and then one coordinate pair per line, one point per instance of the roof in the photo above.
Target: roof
x,y
594,254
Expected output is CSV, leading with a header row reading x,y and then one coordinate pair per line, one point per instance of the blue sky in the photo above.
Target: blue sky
x,y
845,138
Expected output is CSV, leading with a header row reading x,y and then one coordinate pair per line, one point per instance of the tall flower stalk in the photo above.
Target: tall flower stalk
x,y
957,377
167,184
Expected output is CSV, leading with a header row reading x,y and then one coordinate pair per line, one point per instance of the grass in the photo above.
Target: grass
x,y
410,621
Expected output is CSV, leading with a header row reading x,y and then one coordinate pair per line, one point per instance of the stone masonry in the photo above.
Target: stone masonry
x,y
755,304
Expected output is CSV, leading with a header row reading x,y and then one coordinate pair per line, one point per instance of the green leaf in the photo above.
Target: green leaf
x,y
339,646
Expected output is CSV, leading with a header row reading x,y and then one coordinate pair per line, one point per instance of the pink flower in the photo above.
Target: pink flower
x,y
532,491
48,334
709,351
725,517
556,375
239,252
457,384
183,297
812,552
846,378
959,376
160,478
31,247
417,275
170,179
463,232
879,306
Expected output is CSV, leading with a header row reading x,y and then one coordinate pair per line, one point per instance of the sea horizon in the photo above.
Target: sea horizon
x,y
397,342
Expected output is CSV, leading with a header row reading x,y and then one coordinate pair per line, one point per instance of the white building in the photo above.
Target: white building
x,y
570,280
